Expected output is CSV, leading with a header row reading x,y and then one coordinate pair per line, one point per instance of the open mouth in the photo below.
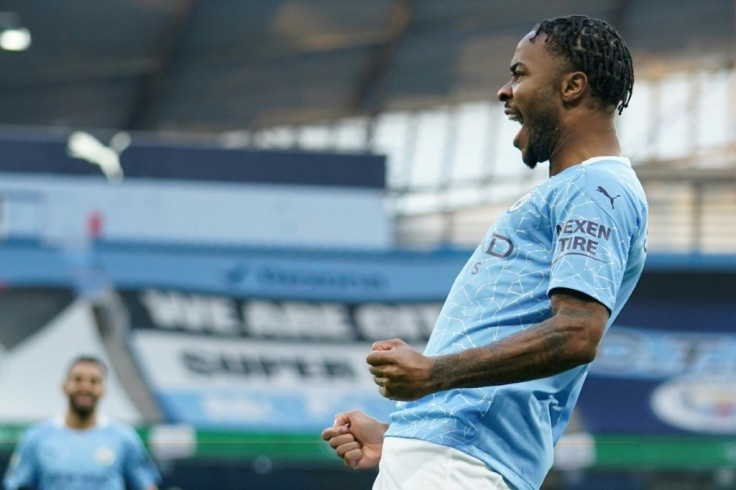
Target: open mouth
x,y
84,399
514,116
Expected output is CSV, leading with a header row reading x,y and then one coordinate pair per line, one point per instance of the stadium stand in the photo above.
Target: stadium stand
x,y
229,201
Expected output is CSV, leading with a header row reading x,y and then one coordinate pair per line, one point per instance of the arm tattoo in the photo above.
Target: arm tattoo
x,y
555,345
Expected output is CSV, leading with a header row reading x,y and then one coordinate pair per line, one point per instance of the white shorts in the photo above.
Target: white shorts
x,y
410,464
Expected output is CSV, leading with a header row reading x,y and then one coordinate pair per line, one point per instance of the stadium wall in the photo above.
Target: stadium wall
x,y
163,192
248,352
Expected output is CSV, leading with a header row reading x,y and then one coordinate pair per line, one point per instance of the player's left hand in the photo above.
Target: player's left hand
x,y
400,372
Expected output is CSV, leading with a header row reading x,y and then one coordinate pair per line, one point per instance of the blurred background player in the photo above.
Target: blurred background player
x,y
82,449
486,403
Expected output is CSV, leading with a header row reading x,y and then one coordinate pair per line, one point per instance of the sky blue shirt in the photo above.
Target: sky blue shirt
x,y
51,456
583,229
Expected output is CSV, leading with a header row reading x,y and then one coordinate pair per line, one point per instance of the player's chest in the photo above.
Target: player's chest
x,y
525,224
62,455
528,213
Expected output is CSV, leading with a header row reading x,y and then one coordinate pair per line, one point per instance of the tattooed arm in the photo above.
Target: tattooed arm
x,y
566,340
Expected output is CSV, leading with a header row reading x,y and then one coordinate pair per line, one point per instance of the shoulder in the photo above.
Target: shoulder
x,y
614,186
609,182
122,430
616,173
40,430
118,426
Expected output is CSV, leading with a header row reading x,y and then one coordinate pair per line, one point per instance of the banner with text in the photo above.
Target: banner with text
x,y
276,339
273,339
265,364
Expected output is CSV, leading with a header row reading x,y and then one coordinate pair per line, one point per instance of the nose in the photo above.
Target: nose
x,y
504,93
86,384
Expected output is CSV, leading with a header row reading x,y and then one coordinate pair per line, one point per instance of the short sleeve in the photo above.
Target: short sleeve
x,y
23,468
140,470
590,250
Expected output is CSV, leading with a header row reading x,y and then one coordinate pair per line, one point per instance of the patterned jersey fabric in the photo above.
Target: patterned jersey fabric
x,y
584,229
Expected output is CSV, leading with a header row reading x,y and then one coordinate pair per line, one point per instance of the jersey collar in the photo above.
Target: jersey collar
x,y
102,421
623,160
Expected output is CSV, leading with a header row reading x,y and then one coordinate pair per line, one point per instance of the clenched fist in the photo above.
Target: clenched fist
x,y
400,372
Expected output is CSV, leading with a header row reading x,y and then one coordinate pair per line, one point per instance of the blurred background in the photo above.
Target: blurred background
x,y
228,201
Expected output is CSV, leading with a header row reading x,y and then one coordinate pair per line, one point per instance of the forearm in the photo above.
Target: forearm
x,y
549,348
568,339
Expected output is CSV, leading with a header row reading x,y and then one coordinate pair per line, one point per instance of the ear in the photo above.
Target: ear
x,y
573,86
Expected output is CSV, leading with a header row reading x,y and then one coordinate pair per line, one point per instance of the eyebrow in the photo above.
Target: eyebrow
x,y
516,65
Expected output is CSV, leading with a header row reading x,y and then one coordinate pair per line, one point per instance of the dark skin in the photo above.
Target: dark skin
x,y
566,340
357,439
584,129
561,122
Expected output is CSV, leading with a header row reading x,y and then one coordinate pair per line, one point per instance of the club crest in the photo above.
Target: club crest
x,y
521,201
105,456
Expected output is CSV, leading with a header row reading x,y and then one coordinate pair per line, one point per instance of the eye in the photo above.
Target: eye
x,y
515,75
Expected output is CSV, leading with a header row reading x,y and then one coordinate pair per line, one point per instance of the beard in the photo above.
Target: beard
x,y
543,135
543,130
82,410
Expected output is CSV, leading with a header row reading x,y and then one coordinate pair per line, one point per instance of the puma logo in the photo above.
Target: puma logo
x,y
84,146
605,193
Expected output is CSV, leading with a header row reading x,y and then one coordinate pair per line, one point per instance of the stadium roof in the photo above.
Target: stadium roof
x,y
215,65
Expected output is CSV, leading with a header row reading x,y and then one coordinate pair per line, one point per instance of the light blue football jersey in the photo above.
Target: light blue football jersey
x,y
51,456
583,229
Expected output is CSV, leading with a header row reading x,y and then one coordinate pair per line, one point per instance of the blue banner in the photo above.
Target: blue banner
x,y
276,338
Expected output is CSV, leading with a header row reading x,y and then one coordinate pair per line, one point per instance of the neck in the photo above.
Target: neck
x,y
76,420
591,137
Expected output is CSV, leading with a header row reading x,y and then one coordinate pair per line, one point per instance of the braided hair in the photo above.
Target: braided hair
x,y
595,48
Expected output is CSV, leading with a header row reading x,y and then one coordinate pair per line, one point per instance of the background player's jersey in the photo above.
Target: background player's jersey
x,y
52,456
583,229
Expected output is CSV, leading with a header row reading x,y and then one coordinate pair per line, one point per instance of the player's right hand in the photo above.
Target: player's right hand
x,y
356,438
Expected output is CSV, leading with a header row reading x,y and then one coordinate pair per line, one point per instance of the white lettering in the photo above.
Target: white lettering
x,y
263,318
163,308
194,313
408,322
318,320
288,319
224,316
297,320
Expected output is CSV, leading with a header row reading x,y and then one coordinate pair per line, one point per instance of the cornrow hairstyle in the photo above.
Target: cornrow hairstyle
x,y
595,48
